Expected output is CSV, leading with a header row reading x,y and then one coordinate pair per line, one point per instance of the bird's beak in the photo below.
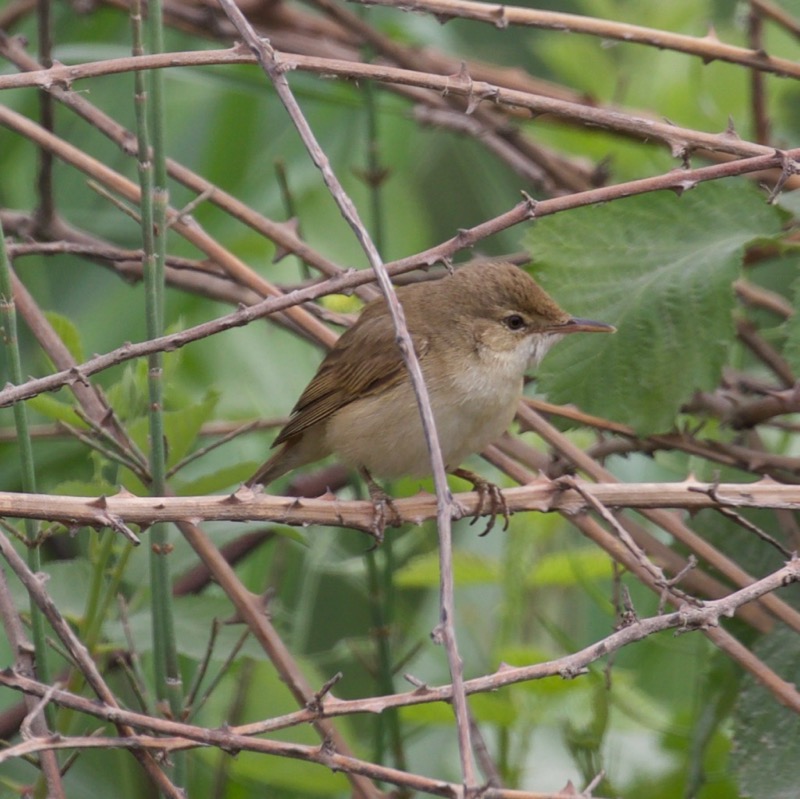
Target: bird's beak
x,y
576,325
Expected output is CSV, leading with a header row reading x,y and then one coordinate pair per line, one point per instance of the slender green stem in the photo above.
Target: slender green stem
x,y
381,580
101,599
380,634
46,210
289,206
381,588
25,449
375,171
93,616
154,200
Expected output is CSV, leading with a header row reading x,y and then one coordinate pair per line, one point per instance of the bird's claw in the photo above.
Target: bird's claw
x,y
386,513
487,493
381,503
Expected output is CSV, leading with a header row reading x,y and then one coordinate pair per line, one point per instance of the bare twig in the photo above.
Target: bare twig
x,y
23,652
443,252
275,67
543,495
681,141
709,48
250,611
81,658
758,100
704,617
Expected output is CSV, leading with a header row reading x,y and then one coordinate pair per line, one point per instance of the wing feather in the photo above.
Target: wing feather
x,y
364,361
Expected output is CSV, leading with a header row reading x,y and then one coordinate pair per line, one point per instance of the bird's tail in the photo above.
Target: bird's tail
x,y
296,451
280,463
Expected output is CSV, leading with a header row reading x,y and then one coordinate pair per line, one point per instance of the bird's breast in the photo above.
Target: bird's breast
x,y
472,406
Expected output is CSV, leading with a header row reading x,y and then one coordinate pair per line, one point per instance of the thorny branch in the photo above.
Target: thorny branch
x,y
478,100
543,495
275,68
685,619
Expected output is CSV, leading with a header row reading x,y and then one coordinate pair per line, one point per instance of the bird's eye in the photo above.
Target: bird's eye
x,y
514,322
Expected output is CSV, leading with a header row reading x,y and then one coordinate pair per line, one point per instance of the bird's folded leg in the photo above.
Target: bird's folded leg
x,y
487,492
382,503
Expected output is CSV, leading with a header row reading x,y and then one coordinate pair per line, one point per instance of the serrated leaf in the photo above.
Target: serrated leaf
x,y
766,734
128,396
660,268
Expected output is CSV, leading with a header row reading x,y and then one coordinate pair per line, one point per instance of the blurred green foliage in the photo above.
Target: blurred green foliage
x,y
660,719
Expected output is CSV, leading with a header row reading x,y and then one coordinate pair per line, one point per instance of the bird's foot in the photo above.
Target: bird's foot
x,y
385,510
489,496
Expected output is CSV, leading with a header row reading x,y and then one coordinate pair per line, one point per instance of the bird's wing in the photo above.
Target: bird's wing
x,y
365,360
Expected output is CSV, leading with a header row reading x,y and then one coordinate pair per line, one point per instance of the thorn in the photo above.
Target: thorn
x,y
315,703
679,149
243,493
472,104
730,129
499,14
421,686
569,790
462,78
327,747
462,238
530,204
683,186
437,634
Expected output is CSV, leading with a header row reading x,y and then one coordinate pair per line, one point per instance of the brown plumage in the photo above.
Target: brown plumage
x,y
475,333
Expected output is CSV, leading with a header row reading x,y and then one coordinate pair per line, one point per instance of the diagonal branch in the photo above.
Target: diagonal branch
x,y
275,68
709,47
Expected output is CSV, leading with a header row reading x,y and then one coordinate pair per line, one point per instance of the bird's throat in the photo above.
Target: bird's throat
x,y
538,346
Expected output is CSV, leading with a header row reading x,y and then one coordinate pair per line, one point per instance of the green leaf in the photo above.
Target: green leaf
x,y
68,334
660,268
569,568
498,709
469,568
66,582
82,488
182,427
226,477
766,734
263,694
193,617
55,409
128,396
793,330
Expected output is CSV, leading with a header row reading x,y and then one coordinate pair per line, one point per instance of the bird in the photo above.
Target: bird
x,y
476,333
